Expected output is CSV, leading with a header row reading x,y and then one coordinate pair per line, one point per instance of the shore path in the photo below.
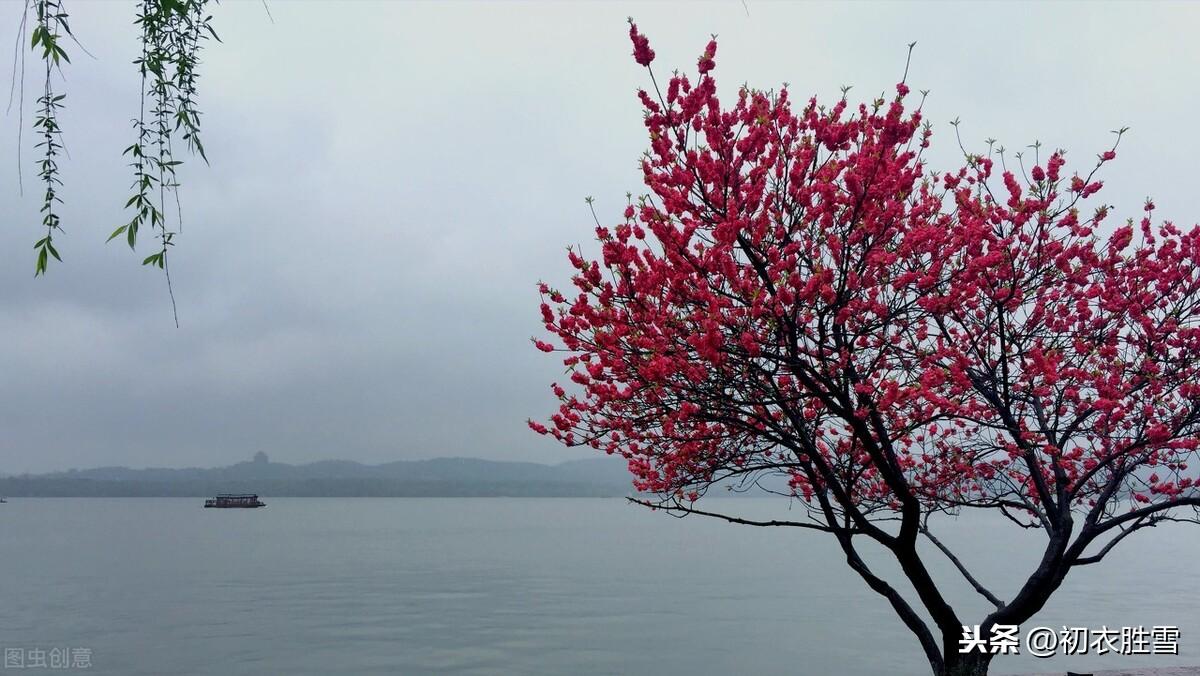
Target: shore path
x,y
1161,671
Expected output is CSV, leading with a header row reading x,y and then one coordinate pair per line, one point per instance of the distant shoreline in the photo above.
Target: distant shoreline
x,y
604,476
321,488
481,496
11,498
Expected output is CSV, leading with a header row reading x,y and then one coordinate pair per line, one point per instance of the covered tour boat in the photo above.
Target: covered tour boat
x,y
229,500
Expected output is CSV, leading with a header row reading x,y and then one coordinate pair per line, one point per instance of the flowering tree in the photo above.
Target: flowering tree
x,y
798,295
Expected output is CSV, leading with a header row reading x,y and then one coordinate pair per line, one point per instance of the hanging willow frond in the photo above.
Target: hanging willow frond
x,y
173,33
51,24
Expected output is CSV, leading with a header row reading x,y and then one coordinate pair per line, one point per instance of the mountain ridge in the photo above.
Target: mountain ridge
x,y
448,477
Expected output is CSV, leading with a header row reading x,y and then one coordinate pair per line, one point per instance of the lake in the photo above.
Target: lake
x,y
516,586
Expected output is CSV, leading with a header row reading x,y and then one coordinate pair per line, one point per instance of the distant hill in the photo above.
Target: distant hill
x,y
440,477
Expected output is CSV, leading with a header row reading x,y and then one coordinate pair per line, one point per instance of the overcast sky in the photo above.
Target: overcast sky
x,y
356,273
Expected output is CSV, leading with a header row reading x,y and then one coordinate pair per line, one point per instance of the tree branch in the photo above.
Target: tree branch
x,y
676,507
1144,522
963,569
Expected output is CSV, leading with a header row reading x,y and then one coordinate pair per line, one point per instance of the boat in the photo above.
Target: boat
x,y
235,500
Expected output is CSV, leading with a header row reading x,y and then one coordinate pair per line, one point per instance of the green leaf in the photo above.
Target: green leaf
x,y
116,232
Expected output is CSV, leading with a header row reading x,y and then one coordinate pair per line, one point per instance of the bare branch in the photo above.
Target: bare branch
x,y
1144,522
963,569
677,507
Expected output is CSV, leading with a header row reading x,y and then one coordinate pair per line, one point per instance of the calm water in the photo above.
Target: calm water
x,y
509,586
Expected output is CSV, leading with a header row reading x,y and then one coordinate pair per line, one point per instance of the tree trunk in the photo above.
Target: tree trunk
x,y
970,664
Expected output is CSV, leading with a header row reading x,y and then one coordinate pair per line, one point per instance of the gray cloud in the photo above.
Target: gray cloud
x,y
356,272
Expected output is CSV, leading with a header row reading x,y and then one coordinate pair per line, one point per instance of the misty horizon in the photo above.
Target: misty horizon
x,y
330,460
